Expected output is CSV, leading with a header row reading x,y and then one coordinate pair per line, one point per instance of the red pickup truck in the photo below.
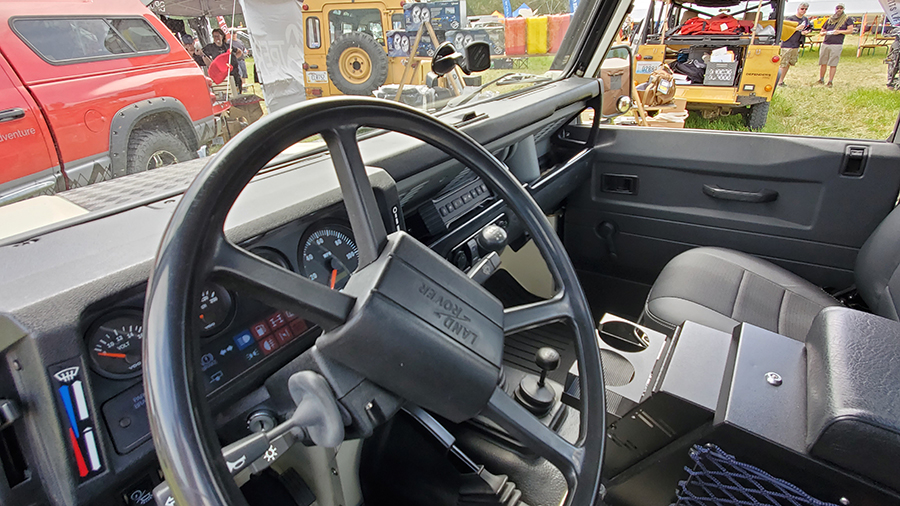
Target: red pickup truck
x,y
91,91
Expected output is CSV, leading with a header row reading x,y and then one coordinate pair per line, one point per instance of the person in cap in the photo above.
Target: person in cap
x,y
188,42
790,48
834,30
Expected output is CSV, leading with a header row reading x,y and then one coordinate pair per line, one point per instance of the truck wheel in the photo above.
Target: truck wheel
x,y
756,120
357,65
151,149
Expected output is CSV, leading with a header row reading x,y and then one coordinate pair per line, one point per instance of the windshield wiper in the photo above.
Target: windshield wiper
x,y
505,79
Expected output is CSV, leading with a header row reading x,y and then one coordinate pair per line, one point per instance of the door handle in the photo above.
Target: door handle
x,y
11,114
763,195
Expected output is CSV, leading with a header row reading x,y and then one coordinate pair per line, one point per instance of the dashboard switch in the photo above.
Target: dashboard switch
x,y
9,413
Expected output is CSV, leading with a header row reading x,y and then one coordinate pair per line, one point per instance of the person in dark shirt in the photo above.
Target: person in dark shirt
x,y
188,42
830,53
790,49
219,46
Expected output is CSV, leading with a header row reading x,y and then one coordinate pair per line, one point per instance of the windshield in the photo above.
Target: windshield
x,y
135,89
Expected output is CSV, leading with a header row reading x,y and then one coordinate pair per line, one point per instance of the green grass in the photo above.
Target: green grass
x,y
859,106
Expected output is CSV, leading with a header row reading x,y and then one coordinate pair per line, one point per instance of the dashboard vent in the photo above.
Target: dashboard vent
x,y
13,460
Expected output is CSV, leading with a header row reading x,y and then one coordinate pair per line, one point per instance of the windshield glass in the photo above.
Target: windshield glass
x,y
135,88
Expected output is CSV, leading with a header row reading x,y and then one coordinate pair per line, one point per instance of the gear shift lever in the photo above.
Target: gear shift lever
x,y
536,395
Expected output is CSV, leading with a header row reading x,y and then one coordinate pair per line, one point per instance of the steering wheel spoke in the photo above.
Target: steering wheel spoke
x,y
527,316
280,288
359,199
521,424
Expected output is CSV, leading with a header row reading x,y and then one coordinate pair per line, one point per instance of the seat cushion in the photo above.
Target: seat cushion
x,y
720,288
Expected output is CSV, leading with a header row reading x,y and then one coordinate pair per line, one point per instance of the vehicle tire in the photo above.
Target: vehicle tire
x,y
357,65
756,119
151,149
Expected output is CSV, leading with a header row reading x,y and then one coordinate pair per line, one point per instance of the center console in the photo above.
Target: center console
x,y
783,408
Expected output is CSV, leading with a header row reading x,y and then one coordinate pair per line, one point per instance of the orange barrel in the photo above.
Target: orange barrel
x,y
536,35
556,30
515,36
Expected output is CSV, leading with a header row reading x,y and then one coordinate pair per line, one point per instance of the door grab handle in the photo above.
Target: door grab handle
x,y
740,196
11,114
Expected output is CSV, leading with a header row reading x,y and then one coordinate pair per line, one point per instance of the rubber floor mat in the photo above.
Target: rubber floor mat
x,y
519,349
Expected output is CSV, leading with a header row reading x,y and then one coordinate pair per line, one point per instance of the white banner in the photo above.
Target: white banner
x,y
892,9
276,30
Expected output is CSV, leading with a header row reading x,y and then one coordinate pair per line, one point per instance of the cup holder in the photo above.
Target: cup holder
x,y
624,336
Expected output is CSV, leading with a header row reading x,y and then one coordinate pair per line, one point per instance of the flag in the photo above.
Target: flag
x,y
892,9
222,24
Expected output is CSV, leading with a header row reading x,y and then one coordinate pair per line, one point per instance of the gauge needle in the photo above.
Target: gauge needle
x,y
333,278
112,355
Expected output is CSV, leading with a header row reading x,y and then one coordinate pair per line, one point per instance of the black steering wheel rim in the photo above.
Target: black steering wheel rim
x,y
194,243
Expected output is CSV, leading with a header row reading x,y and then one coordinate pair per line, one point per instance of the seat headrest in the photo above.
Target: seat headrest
x,y
877,265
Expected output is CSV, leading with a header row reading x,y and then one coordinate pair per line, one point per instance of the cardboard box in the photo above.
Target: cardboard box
x,y
443,15
461,38
400,43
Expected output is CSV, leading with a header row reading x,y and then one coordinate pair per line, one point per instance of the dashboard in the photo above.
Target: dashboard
x,y
71,305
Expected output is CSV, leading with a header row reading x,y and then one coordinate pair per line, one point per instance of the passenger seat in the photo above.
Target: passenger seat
x,y
721,288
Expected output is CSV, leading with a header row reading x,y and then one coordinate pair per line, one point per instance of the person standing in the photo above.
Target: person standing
x,y
834,30
893,60
790,49
241,50
216,48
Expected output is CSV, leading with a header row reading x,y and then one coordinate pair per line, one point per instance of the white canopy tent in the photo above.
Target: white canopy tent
x,y
276,31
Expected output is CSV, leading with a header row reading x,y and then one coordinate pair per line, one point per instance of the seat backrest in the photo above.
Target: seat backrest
x,y
878,268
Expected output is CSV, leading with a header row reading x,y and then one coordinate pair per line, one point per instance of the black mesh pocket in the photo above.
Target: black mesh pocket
x,y
719,479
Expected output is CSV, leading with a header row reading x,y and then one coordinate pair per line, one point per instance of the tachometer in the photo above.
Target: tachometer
x,y
114,344
328,254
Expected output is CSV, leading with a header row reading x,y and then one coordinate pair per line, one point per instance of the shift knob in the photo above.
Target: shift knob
x,y
492,238
548,360
536,396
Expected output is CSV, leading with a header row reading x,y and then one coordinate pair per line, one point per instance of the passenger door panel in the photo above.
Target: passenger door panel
x,y
814,227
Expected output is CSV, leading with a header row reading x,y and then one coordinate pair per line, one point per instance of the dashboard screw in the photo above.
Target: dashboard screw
x,y
774,379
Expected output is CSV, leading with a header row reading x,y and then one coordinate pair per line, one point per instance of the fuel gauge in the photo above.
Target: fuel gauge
x,y
215,307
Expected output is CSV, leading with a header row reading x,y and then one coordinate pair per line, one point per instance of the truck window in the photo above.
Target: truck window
x,y
356,20
139,34
397,22
313,33
73,40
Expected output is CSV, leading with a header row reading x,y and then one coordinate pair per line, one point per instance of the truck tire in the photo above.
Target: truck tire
x,y
151,149
357,65
756,119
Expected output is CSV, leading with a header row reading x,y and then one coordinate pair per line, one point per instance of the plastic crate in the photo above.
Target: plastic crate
x,y
720,73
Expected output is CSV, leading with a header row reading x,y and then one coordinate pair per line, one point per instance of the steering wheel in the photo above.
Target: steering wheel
x,y
407,320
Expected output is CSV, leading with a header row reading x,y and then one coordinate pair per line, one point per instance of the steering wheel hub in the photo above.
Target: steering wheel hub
x,y
437,336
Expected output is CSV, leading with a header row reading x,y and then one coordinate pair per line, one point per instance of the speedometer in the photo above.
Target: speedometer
x,y
328,254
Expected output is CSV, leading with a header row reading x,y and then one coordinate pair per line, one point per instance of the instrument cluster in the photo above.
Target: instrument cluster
x,y
236,331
